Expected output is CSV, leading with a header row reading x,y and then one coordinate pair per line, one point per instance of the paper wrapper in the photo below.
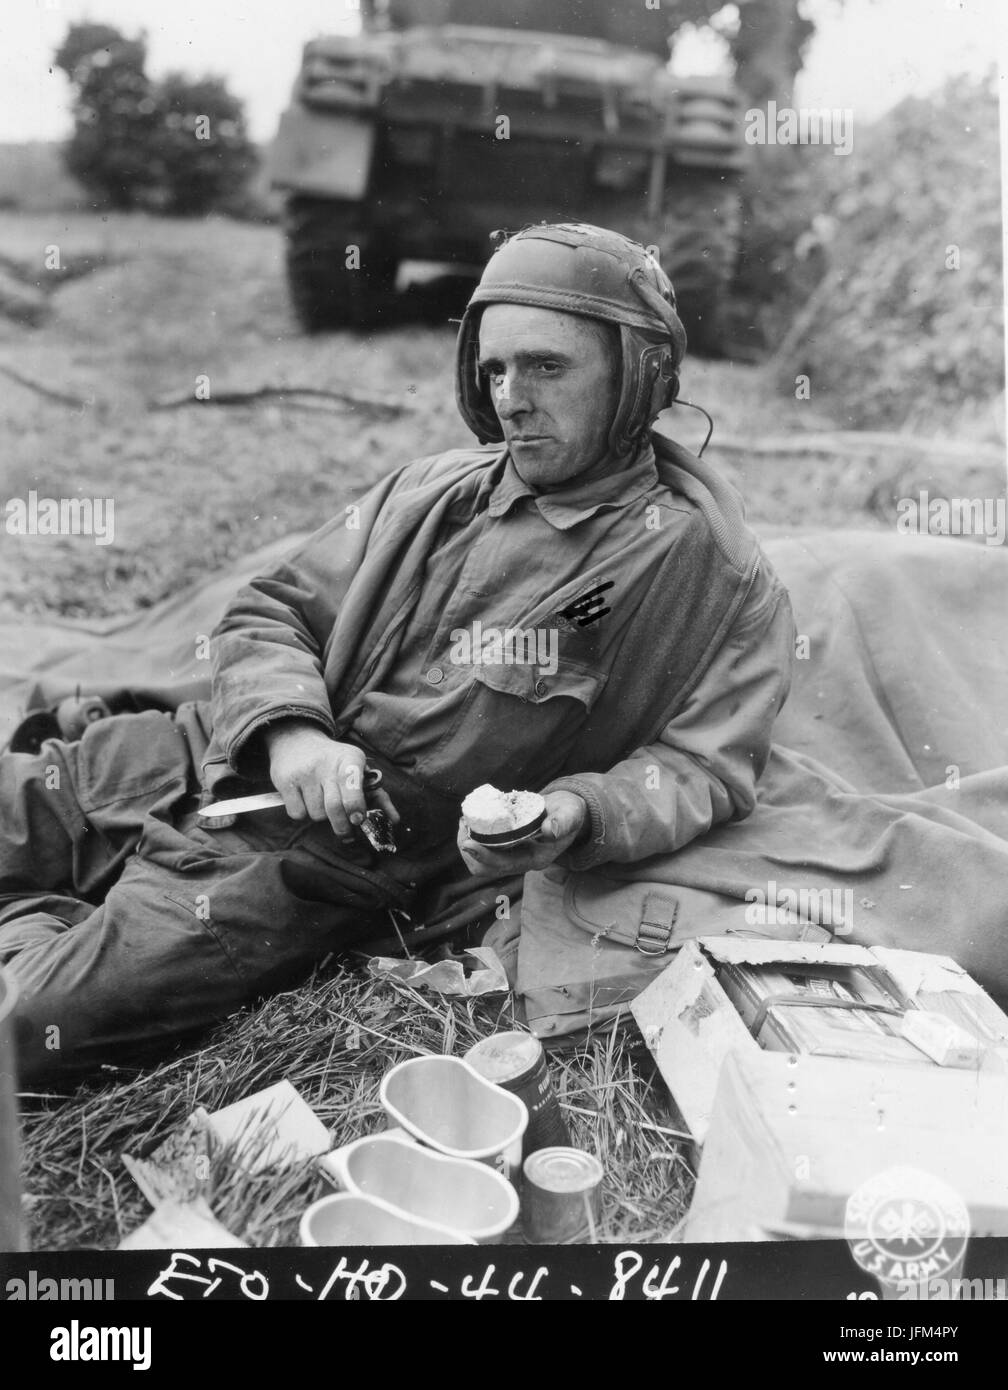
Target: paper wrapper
x,y
273,1127
446,977
181,1226
178,1170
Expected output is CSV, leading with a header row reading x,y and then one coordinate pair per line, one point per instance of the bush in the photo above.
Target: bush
x,y
200,148
915,318
780,257
176,146
115,114
851,261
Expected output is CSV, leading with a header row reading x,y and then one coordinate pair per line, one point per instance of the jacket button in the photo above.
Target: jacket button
x,y
540,687
435,675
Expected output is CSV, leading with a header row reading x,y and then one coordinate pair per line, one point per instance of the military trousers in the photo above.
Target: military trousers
x,y
127,924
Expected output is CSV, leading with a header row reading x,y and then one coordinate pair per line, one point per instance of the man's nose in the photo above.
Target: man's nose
x,y
510,397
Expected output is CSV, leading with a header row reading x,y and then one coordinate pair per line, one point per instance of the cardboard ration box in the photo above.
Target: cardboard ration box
x,y
903,1009
824,1010
794,1140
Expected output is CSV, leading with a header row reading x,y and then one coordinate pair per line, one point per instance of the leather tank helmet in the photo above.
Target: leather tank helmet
x,y
576,268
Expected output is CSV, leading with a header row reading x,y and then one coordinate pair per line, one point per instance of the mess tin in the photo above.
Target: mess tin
x,y
458,1193
507,839
446,1104
349,1219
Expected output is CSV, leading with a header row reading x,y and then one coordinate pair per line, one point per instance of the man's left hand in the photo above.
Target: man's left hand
x,y
566,816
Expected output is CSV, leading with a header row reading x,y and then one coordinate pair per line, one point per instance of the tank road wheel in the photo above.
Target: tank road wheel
x,y
331,284
699,242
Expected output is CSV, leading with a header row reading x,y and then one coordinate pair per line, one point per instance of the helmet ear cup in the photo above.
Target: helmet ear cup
x,y
650,385
671,377
472,395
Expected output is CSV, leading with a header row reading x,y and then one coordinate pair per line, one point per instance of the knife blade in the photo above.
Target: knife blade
x,y
262,801
267,801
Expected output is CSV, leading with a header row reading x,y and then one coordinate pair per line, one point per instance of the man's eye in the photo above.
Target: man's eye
x,y
550,368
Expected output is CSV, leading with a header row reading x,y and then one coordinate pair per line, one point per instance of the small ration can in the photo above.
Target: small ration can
x,y
560,1197
516,1062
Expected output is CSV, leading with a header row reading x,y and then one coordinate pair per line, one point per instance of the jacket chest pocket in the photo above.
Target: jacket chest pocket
x,y
534,686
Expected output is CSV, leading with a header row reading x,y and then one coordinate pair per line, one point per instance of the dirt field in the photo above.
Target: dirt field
x,y
172,301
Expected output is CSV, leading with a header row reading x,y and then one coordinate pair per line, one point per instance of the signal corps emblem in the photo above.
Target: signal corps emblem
x,y
906,1226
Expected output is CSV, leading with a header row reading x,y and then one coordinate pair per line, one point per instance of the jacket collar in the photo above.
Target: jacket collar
x,y
577,502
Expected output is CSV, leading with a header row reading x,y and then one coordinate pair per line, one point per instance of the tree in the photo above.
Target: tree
x,y
178,145
115,113
768,48
201,149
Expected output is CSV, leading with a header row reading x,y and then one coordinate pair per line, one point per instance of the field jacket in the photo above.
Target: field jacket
x,y
317,632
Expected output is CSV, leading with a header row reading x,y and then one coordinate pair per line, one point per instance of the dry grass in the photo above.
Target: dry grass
x,y
333,1039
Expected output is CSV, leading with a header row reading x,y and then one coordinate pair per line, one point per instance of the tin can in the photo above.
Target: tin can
x,y
560,1196
516,1062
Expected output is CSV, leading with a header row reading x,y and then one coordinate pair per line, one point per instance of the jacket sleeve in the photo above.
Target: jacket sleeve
x,y
704,766
268,651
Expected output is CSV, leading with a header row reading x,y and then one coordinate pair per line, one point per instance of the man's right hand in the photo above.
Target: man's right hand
x,y
321,778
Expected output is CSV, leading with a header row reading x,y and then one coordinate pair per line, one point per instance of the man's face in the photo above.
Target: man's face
x,y
554,381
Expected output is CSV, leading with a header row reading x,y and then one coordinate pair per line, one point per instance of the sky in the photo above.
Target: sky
x,y
866,55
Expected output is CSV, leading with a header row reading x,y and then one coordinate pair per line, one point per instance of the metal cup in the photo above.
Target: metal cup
x,y
349,1219
446,1104
459,1193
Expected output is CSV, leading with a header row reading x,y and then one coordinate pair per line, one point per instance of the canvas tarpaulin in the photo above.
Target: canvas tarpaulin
x,y
158,655
885,798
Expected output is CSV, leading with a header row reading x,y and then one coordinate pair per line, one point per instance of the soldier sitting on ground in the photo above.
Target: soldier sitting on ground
x,y
128,922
